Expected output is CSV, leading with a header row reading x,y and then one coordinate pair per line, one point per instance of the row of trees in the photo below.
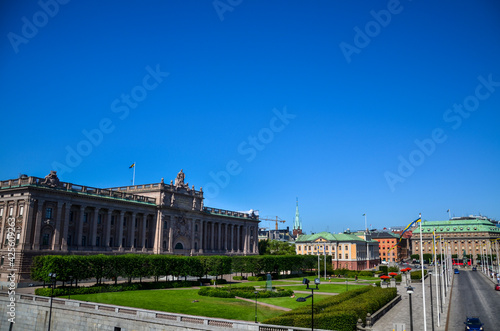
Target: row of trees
x,y
76,267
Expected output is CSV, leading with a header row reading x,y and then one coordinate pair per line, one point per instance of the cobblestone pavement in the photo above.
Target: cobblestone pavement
x,y
400,314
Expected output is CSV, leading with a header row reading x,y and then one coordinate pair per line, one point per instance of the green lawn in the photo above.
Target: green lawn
x,y
181,301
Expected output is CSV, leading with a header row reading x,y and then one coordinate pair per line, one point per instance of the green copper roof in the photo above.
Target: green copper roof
x,y
328,236
475,225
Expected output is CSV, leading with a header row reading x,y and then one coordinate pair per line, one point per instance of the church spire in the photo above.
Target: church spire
x,y
297,224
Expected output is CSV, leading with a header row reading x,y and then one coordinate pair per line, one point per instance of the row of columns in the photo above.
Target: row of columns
x,y
60,225
233,238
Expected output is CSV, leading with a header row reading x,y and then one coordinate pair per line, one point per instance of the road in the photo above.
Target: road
x,y
473,294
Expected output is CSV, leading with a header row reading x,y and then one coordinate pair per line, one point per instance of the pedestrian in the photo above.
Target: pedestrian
x,y
356,277
330,279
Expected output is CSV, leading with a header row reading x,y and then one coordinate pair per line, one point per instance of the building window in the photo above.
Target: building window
x,y
179,246
196,246
85,217
45,239
69,240
84,240
340,256
98,241
99,219
48,213
11,211
124,221
110,242
346,256
21,211
346,247
71,216
135,225
1,212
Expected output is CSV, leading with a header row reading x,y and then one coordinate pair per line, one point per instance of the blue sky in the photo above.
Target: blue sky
x,y
389,108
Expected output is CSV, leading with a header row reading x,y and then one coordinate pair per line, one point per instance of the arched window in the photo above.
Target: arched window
x,y
179,246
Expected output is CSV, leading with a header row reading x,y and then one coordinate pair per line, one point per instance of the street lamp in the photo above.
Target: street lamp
x,y
53,279
409,290
302,299
70,287
256,293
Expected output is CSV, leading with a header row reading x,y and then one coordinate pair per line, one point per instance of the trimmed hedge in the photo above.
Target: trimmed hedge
x,y
244,292
238,278
340,312
256,278
60,291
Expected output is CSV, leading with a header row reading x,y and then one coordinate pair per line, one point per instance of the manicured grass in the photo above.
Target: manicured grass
x,y
181,301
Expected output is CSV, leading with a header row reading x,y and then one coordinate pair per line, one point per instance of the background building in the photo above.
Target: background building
x,y
387,240
348,250
41,216
472,235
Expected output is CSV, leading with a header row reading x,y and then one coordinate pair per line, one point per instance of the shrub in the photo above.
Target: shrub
x,y
244,292
238,278
256,278
340,312
218,281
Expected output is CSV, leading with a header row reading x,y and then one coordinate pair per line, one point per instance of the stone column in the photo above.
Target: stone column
x,y
255,239
38,225
64,240
26,228
132,232
193,222
95,216
158,235
212,239
143,234
120,230
231,238
58,227
246,238
219,237
80,227
107,235
170,245
238,245
202,234
224,238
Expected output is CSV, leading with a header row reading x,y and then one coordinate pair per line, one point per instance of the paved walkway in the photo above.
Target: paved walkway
x,y
400,313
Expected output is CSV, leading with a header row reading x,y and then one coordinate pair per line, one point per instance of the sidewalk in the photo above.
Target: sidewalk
x,y
401,312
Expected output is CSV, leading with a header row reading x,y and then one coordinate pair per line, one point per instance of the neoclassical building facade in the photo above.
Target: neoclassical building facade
x,y
354,251
472,235
46,216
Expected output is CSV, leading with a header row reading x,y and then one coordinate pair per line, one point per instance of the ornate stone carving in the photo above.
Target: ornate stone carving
x,y
51,180
179,180
182,228
172,200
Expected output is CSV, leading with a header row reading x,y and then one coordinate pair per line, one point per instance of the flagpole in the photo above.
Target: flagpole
x,y
366,227
436,275
449,215
423,275
133,177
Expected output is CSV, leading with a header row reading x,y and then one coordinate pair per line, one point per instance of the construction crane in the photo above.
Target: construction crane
x,y
273,220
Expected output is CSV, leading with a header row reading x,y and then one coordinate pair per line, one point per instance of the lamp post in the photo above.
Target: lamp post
x,y
256,293
70,286
53,279
302,299
409,290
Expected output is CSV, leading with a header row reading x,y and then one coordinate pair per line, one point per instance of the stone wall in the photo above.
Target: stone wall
x,y
32,313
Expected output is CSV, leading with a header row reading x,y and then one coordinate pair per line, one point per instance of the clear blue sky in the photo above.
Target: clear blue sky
x,y
380,107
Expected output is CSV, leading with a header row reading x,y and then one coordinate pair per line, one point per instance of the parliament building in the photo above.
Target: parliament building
x,y
40,216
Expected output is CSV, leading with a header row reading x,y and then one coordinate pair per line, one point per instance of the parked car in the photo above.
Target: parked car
x,y
497,287
473,323
456,271
474,269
